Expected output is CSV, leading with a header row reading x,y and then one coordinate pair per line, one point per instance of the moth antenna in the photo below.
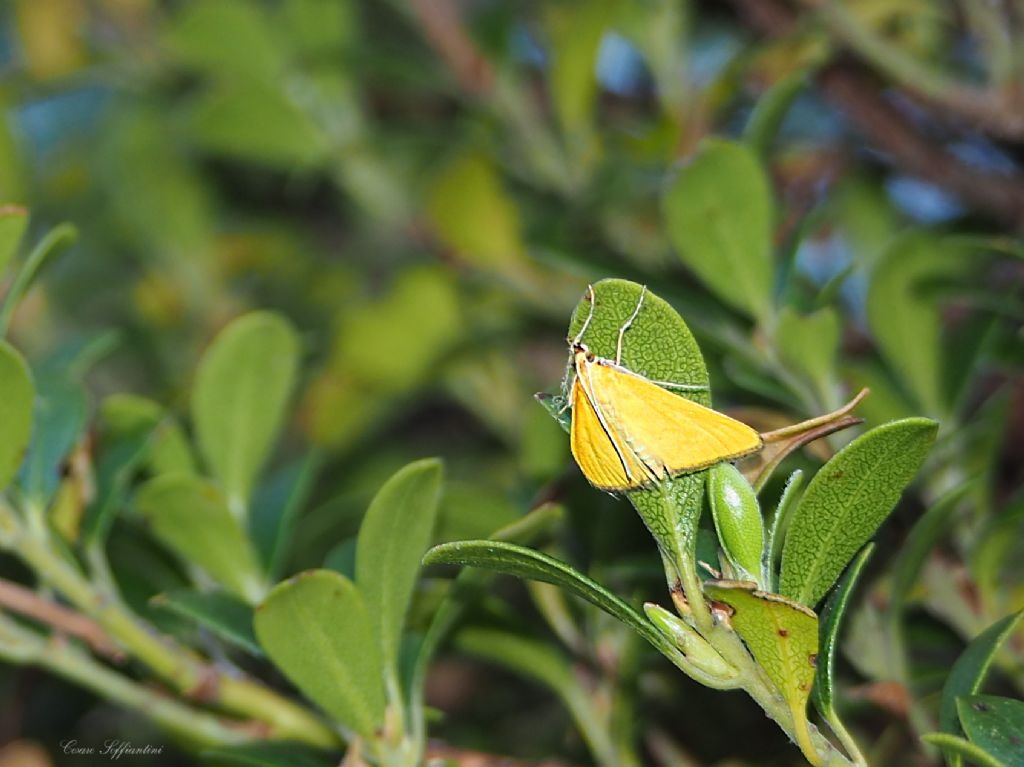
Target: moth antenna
x,y
626,326
593,300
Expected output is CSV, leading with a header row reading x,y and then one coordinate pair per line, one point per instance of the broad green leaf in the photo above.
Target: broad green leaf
x,y
847,500
241,393
994,724
781,635
276,506
809,343
266,754
13,222
737,518
226,37
575,31
127,425
16,396
906,323
957,749
53,243
823,694
190,517
771,109
969,672
316,629
659,346
719,215
473,215
522,562
217,611
392,540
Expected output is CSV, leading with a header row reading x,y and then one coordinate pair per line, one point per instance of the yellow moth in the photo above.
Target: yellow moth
x,y
630,432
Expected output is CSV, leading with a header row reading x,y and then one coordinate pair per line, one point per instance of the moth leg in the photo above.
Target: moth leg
x,y
626,326
593,300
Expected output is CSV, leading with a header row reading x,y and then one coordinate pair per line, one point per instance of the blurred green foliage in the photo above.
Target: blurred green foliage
x,y
424,191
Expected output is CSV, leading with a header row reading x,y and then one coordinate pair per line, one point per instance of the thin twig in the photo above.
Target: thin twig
x,y
26,602
443,29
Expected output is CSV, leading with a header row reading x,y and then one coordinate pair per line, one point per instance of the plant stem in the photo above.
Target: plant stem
x,y
176,665
57,655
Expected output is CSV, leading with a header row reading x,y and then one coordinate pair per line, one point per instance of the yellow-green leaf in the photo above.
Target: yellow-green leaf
x,y
16,396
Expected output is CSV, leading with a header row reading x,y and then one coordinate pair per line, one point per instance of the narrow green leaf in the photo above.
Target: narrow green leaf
x,y
190,517
392,540
823,694
267,754
575,31
994,724
275,507
719,215
956,749
906,323
217,611
59,417
809,343
695,647
771,109
522,562
13,223
782,636
847,500
970,670
55,241
241,392
316,629
16,396
737,518
777,527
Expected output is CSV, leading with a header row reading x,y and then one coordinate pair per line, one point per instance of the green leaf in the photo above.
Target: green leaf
x,y
847,500
189,516
969,672
60,413
522,562
575,31
267,754
275,507
719,215
737,518
781,635
695,647
16,396
13,223
317,630
53,243
127,424
994,724
659,346
227,37
906,323
393,537
808,343
241,393
777,527
823,694
771,109
956,749
218,611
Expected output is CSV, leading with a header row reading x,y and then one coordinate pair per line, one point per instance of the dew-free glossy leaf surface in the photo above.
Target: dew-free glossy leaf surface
x,y
241,392
16,395
782,636
995,724
737,518
823,694
317,630
217,611
718,212
392,539
970,670
847,500
189,515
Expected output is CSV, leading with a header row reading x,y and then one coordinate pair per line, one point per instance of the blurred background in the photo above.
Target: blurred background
x,y
426,187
